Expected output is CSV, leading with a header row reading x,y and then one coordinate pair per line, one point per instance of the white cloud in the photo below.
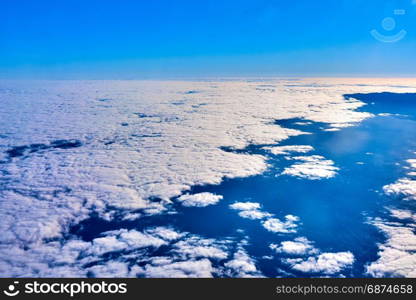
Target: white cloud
x,y
402,214
195,247
412,163
131,216
397,256
300,246
107,244
198,268
278,226
111,269
327,263
250,210
289,149
165,233
332,129
242,265
245,206
199,200
124,239
313,167
254,214
404,186
186,254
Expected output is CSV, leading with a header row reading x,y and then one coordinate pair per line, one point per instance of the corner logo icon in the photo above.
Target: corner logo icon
x,y
11,290
389,24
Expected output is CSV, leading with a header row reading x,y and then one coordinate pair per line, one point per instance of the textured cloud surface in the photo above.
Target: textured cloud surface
x,y
300,246
327,263
250,210
398,254
289,149
405,187
278,226
199,200
312,167
129,149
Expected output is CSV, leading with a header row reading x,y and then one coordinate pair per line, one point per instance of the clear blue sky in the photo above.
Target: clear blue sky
x,y
180,38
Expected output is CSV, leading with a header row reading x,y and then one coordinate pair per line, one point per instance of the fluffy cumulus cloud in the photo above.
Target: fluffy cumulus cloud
x,y
242,265
405,187
312,167
126,149
110,269
197,268
289,225
412,167
299,246
198,257
153,252
244,206
254,214
285,150
195,247
412,163
199,200
397,256
402,214
250,210
326,263
68,259
124,240
165,233
301,255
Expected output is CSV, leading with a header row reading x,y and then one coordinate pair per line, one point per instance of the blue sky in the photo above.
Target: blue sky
x,y
179,38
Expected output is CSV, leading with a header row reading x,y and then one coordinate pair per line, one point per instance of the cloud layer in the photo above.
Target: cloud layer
x,y
133,147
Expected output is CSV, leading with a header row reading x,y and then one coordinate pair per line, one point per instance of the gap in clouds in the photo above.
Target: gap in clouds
x,y
332,211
